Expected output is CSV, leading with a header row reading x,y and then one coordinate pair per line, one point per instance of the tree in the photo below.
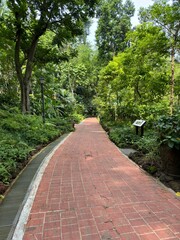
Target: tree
x,y
79,76
113,24
135,81
166,16
28,20
8,82
146,59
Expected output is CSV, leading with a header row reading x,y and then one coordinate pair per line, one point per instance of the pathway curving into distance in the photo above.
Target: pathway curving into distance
x,y
91,191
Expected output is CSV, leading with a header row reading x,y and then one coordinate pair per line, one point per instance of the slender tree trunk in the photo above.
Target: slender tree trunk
x,y
136,91
18,67
172,81
117,102
26,98
23,98
28,73
24,81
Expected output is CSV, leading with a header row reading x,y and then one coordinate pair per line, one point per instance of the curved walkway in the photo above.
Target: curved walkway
x,y
91,191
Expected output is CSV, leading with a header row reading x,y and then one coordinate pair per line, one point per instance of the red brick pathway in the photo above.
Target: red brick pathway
x,y
91,191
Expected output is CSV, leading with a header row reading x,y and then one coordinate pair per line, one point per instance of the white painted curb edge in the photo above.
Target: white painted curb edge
x,y
31,193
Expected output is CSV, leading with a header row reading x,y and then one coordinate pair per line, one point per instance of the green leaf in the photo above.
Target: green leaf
x,y
170,144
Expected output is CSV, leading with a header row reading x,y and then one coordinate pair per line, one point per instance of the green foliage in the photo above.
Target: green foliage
x,y
148,143
123,83
20,135
64,125
13,150
166,15
77,118
151,169
123,136
168,128
113,24
4,174
8,81
79,78
26,22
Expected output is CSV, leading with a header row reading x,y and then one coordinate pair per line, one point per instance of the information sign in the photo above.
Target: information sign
x,y
139,123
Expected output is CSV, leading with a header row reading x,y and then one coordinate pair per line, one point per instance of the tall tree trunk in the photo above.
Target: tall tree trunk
x,y
26,100
136,91
18,67
23,109
28,73
172,80
25,79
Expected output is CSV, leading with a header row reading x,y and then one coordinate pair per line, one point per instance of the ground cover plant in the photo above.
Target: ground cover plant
x,y
21,136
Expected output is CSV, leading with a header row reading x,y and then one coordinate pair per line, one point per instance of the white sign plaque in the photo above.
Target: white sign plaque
x,y
139,123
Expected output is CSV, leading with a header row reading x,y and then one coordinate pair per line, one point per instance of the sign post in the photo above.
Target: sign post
x,y
139,124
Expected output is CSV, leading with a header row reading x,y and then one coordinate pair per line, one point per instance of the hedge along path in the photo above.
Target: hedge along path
x,y
90,190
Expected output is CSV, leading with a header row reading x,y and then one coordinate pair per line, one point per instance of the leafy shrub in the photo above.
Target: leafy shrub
x,y
13,150
123,136
20,134
77,117
152,169
147,143
168,128
63,124
4,174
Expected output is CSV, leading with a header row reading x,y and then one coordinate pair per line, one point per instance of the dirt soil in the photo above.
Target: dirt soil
x,y
154,169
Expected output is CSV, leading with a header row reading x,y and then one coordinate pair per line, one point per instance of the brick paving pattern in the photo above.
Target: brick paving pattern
x,y
91,191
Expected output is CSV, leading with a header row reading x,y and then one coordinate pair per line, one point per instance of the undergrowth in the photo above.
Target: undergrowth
x,y
124,136
21,135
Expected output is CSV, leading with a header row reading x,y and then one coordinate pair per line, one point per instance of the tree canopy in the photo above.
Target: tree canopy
x,y
166,15
129,71
113,24
26,21
124,81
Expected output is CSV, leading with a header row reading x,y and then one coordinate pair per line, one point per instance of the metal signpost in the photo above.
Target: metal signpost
x,y
139,124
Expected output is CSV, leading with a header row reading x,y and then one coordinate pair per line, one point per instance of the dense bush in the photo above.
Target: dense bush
x,y
123,136
168,128
20,135
148,143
